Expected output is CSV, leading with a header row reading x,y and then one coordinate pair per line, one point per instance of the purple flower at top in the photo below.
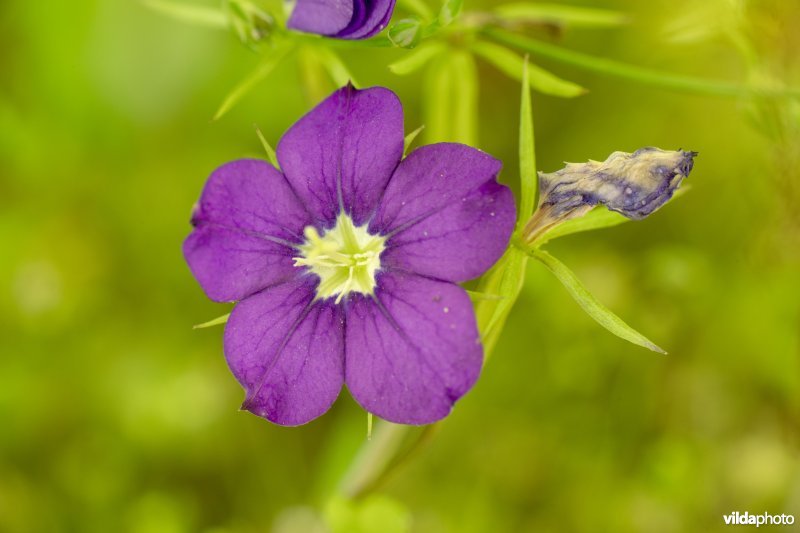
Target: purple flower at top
x,y
342,19
345,264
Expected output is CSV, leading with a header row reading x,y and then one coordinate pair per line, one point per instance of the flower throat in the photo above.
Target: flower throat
x,y
345,257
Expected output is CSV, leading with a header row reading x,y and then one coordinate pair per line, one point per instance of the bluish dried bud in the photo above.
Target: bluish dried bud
x,y
634,185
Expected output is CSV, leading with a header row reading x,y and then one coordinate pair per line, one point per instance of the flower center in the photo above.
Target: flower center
x,y
346,258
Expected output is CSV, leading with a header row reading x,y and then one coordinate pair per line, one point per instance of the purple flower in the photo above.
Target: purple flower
x,y
345,264
343,19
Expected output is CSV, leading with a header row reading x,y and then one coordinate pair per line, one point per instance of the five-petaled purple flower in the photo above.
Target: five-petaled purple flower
x,y
342,19
345,264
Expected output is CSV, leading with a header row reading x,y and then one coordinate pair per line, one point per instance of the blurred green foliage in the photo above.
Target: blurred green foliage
x,y
115,415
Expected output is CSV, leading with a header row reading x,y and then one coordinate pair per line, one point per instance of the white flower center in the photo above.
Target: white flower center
x,y
346,258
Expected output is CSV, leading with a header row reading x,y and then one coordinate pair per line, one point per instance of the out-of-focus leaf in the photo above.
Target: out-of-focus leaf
x,y
336,68
625,71
511,64
252,24
410,138
465,101
416,59
373,513
529,181
266,67
451,94
505,280
562,14
418,7
405,33
315,82
599,312
193,14
215,322
271,157
450,10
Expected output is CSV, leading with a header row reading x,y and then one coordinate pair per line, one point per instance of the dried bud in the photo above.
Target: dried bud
x,y
634,185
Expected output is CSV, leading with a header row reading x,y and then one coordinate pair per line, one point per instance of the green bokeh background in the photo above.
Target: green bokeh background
x,y
116,416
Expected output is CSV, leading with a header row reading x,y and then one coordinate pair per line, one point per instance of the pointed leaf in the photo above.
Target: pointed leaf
x,y
215,322
271,157
416,59
410,138
599,312
335,67
529,181
254,78
597,218
510,64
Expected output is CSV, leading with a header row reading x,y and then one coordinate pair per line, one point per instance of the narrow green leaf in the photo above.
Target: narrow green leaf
x,y
209,17
529,181
215,322
335,67
634,73
254,78
316,84
505,280
410,138
563,15
597,218
510,64
465,98
451,94
416,59
599,312
418,7
271,157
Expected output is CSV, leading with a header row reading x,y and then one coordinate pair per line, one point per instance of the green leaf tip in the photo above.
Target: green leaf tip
x,y
591,305
271,156
215,322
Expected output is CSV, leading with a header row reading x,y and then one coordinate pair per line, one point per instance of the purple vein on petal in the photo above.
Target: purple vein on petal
x,y
252,396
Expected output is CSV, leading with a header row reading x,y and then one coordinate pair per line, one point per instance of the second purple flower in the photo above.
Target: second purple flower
x,y
345,264
342,19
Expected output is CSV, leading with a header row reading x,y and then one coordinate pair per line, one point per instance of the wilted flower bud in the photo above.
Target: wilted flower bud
x,y
634,185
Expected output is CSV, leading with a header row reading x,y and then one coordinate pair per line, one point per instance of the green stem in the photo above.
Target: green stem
x,y
647,76
372,460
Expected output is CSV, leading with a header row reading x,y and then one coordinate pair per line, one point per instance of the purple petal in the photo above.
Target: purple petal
x,y
343,152
287,352
447,216
324,17
413,350
246,222
378,14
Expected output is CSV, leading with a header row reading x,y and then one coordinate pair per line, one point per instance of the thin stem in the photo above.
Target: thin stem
x,y
372,459
633,73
